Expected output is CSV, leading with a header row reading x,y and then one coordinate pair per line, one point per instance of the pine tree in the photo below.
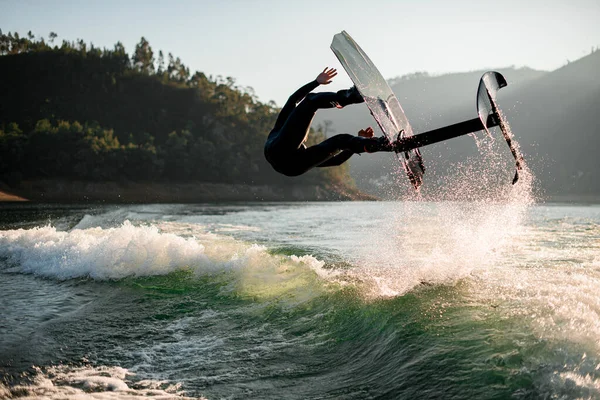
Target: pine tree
x,y
161,63
143,57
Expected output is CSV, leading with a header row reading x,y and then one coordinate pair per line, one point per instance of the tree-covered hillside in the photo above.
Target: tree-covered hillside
x,y
75,111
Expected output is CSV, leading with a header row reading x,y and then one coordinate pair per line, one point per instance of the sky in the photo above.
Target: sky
x,y
276,46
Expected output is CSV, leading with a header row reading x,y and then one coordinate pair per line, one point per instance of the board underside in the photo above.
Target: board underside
x,y
380,100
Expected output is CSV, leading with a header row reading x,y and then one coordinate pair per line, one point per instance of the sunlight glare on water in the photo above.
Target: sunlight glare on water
x,y
469,223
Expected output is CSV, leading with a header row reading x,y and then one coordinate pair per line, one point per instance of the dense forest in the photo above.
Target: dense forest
x,y
77,112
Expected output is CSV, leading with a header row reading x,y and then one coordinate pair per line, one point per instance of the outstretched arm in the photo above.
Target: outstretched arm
x,y
324,78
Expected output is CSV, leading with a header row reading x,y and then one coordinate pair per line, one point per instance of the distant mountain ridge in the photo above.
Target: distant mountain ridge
x,y
552,115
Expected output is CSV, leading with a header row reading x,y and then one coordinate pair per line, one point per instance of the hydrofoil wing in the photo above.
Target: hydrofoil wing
x,y
490,115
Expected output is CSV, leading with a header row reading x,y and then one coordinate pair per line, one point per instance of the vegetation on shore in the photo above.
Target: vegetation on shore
x,y
73,111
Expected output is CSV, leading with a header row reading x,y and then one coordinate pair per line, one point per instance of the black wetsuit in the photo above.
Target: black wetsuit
x,y
285,149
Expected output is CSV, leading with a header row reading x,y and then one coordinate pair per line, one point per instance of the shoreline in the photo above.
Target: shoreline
x,y
59,191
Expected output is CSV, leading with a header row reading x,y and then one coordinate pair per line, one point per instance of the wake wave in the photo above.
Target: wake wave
x,y
124,251
98,253
143,251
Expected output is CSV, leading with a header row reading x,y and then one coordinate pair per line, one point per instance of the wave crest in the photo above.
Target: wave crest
x,y
98,253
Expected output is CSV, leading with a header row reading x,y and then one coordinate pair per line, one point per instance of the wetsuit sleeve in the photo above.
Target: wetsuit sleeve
x,y
338,159
292,101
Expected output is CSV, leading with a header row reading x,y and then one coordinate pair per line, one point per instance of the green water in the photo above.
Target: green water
x,y
315,300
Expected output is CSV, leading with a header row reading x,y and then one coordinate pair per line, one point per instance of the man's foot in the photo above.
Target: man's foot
x,y
397,143
379,144
350,96
384,143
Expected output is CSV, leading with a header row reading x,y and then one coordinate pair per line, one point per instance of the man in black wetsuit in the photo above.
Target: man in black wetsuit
x,y
285,149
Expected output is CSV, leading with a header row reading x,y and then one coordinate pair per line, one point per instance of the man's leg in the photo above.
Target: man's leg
x,y
323,152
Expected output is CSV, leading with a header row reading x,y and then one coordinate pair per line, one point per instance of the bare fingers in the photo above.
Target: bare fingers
x,y
368,132
326,76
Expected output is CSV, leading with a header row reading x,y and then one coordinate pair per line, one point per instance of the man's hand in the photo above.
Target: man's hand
x,y
325,77
368,132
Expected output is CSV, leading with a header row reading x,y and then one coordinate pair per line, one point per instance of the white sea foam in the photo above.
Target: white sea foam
x,y
437,243
149,250
551,288
84,383
98,253
474,218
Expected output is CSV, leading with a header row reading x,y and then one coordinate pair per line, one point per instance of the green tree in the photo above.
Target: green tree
x,y
134,124
4,44
161,63
176,70
143,57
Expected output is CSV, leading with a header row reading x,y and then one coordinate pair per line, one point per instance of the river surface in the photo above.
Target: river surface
x,y
353,300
